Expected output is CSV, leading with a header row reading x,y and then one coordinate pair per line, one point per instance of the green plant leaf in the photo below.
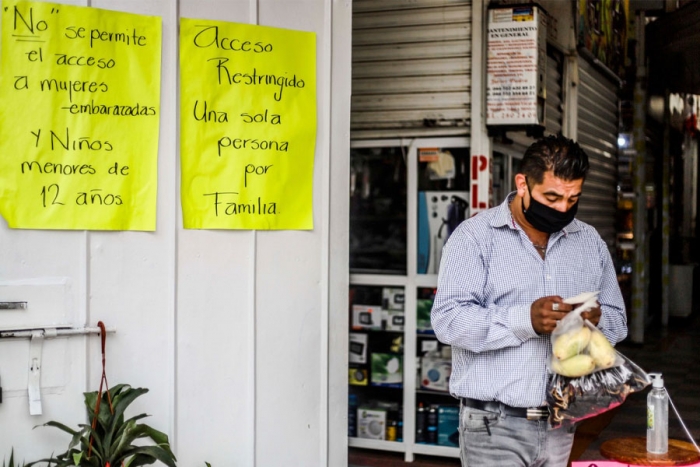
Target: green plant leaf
x,y
144,455
85,433
105,414
160,438
60,426
138,460
79,436
57,461
124,441
135,418
105,417
120,403
134,432
91,402
112,437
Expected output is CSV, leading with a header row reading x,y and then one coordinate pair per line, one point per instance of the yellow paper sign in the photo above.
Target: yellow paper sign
x,y
248,126
79,117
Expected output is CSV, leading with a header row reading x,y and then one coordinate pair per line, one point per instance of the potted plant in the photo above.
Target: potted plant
x,y
108,441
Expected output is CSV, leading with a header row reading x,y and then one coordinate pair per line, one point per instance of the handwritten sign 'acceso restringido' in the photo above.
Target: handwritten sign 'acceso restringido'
x,y
248,116
80,90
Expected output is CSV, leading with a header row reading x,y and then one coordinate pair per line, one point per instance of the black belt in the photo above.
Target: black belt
x,y
531,413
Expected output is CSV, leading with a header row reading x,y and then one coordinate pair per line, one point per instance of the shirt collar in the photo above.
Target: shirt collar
x,y
504,217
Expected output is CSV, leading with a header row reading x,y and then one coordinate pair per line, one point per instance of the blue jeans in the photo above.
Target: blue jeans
x,y
490,439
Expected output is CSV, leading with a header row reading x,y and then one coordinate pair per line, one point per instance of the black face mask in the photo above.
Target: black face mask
x,y
546,219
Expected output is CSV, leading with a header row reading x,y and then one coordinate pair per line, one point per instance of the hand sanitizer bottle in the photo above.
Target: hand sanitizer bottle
x,y
657,416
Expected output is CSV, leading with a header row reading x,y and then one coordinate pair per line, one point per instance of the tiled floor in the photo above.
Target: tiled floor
x,y
673,351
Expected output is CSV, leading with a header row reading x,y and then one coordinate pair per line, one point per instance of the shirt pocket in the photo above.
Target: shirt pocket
x,y
574,280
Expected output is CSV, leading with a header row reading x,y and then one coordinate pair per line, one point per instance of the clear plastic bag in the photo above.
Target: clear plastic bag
x,y
571,400
578,347
589,376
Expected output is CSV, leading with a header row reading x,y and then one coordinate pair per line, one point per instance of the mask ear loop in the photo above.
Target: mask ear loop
x,y
529,192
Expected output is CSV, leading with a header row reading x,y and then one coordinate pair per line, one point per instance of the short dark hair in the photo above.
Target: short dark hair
x,y
557,153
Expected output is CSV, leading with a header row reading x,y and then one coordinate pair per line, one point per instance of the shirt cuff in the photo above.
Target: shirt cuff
x,y
520,322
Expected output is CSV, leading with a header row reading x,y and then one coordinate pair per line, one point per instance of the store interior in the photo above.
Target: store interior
x,y
406,199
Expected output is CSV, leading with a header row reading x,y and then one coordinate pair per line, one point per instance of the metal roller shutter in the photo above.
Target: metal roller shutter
x,y
411,68
553,113
597,135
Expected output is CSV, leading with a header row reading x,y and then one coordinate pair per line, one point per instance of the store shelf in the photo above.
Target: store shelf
x,y
395,446
436,393
426,449
376,331
434,450
378,279
410,177
426,280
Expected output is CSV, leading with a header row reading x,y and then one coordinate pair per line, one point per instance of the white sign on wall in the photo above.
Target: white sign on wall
x,y
516,69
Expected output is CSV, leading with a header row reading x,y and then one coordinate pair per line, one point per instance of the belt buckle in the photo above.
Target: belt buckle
x,y
536,413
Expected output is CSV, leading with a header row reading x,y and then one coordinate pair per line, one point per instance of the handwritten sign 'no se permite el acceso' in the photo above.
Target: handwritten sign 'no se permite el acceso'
x,y
79,119
248,126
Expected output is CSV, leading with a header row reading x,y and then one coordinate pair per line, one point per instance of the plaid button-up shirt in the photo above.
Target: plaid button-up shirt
x,y
490,274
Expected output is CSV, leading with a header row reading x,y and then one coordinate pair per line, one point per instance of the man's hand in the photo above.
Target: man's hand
x,y
545,312
592,315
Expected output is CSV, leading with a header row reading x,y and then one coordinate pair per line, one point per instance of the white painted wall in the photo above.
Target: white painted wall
x,y
239,335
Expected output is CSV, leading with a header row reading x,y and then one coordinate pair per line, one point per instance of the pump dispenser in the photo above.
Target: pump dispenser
x,y
657,416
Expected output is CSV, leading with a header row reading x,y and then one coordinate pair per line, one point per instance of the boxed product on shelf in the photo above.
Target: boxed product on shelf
x,y
366,317
423,307
387,370
428,345
357,377
448,425
352,415
358,348
393,298
371,423
435,372
389,406
393,320
439,213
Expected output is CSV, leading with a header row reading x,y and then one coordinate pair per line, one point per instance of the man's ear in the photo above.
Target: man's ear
x,y
520,184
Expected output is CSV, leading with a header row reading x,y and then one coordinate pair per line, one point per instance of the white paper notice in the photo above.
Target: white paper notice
x,y
516,72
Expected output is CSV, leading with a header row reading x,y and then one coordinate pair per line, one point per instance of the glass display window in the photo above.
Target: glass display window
x,y
378,210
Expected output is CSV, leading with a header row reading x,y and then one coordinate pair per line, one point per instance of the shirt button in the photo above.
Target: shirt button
x,y
549,278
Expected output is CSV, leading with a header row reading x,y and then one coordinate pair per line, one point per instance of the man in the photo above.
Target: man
x,y
503,276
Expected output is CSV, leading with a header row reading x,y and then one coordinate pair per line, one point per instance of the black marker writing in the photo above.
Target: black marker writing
x,y
209,36
30,25
206,115
73,86
57,168
252,144
79,60
255,79
46,191
231,208
81,144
